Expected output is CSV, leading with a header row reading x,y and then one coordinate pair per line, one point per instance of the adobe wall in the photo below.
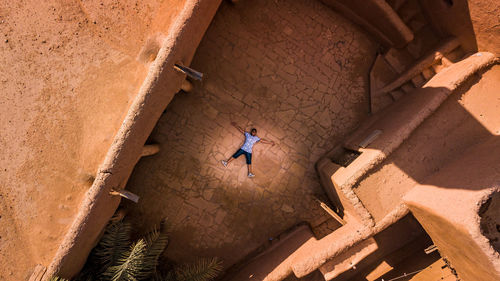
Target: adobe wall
x,y
473,22
453,127
71,71
66,89
451,215
377,18
452,20
453,205
157,90
484,16
389,166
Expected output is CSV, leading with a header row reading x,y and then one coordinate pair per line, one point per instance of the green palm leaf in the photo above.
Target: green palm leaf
x,y
156,243
129,265
55,278
114,242
202,270
141,260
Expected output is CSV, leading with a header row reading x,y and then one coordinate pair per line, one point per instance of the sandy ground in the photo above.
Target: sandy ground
x,y
297,71
69,71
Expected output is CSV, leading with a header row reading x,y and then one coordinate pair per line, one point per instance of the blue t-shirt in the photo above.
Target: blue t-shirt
x,y
249,142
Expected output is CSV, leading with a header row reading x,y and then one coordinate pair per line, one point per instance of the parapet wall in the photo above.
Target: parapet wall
x,y
451,216
398,125
158,89
471,21
70,72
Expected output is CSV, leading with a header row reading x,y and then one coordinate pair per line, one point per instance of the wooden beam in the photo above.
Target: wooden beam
x,y
150,149
186,86
331,212
125,194
188,71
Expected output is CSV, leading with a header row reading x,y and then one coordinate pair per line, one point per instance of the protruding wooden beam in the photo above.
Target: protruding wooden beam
x,y
125,194
188,71
430,249
186,86
150,149
331,212
369,139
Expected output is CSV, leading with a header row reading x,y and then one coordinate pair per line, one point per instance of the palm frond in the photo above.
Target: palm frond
x,y
156,243
202,270
129,265
141,260
114,242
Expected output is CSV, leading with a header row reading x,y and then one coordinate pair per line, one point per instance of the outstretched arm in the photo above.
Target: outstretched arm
x,y
264,141
238,127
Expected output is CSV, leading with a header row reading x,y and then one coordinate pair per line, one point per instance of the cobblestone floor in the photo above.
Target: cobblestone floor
x,y
297,72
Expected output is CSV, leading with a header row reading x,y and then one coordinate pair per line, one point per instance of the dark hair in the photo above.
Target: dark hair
x,y
253,130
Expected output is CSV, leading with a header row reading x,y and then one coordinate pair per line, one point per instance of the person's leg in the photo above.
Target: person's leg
x,y
235,155
248,157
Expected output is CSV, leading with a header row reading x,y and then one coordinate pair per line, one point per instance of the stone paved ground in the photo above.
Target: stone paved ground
x,y
295,70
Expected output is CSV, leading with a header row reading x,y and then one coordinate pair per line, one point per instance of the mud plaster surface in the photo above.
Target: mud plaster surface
x,y
296,71
468,117
68,71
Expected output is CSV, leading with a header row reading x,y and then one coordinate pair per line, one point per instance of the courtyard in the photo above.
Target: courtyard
x,y
295,70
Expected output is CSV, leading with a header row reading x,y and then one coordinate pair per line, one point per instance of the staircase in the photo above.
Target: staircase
x,y
398,71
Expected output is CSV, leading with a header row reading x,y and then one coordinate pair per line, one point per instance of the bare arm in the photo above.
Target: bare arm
x,y
264,141
238,127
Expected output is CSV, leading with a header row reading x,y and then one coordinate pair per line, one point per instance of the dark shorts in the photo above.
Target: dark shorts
x,y
248,156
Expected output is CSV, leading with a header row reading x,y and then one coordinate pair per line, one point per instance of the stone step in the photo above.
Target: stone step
x,y
456,55
424,41
399,59
392,245
274,262
428,73
410,74
407,87
377,265
349,259
418,81
397,94
423,63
